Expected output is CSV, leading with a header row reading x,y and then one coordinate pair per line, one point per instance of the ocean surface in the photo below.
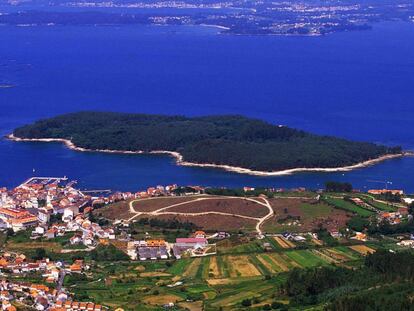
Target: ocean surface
x,y
357,85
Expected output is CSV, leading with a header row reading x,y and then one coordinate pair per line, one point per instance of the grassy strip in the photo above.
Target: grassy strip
x,y
288,262
347,206
251,247
223,266
347,252
276,268
203,269
306,258
381,206
261,267
192,269
179,266
273,243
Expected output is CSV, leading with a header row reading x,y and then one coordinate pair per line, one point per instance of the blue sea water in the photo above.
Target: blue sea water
x,y
357,85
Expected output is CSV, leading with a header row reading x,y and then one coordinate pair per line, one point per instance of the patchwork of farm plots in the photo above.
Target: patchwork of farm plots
x,y
220,281
222,269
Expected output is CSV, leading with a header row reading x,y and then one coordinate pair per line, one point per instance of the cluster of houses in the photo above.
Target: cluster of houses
x,y
85,231
407,243
196,245
275,190
70,305
53,208
37,199
18,264
148,250
193,246
38,296
394,218
385,191
158,191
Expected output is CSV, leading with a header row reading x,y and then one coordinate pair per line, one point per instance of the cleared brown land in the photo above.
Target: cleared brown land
x,y
153,274
213,268
362,249
225,281
122,245
53,246
192,306
211,221
119,210
153,204
192,269
241,266
267,264
162,299
223,205
317,242
308,212
334,254
283,242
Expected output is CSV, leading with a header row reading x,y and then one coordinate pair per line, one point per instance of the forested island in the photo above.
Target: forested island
x,y
227,140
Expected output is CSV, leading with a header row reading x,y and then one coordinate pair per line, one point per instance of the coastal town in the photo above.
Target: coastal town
x,y
46,209
229,17
51,208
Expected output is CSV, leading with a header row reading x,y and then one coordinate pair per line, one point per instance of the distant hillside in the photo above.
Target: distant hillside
x,y
222,140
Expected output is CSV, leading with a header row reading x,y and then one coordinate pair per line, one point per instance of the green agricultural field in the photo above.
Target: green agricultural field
x,y
251,247
381,206
370,199
306,258
203,269
285,261
342,204
179,266
191,270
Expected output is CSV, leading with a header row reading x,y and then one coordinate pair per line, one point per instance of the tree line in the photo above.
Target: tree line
x,y
384,282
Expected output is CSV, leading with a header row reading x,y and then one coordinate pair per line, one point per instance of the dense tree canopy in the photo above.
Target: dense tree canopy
x,y
108,253
333,186
385,282
229,140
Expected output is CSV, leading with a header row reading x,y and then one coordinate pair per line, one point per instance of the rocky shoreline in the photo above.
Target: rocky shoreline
x,y
180,160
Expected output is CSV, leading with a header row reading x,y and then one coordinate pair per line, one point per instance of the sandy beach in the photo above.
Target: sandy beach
x,y
180,161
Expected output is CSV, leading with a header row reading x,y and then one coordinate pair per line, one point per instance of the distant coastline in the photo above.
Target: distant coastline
x,y
7,86
180,161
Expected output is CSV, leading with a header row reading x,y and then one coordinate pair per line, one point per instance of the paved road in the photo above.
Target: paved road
x,y
62,275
